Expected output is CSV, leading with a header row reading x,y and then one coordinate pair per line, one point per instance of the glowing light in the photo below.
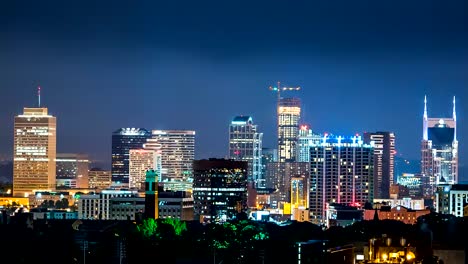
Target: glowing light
x,y
410,256
384,257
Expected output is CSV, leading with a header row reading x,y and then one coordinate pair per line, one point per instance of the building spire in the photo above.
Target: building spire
x,y
39,96
425,107
454,112
454,115
425,119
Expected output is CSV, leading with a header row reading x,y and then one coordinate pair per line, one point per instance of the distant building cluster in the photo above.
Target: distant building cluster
x,y
323,178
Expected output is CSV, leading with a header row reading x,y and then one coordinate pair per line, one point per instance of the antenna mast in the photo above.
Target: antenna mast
x,y
39,95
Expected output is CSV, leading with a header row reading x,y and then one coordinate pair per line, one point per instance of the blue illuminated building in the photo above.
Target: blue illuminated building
x,y
123,140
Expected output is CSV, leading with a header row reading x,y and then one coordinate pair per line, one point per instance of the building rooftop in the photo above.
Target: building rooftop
x,y
241,120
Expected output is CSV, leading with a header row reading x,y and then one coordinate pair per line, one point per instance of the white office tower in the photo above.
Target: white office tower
x,y
245,144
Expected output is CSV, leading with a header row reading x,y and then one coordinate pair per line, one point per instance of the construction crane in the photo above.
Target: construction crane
x,y
278,89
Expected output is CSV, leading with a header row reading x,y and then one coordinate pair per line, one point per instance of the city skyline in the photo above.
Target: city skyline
x,y
126,77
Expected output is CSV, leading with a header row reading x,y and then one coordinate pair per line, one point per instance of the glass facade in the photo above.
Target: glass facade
x,y
305,139
219,188
245,144
123,140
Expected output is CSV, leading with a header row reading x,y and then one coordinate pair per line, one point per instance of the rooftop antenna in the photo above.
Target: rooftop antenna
x,y
425,136
454,119
39,95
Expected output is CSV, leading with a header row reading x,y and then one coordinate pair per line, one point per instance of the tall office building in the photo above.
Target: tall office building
x,y
305,139
219,188
300,192
245,144
384,161
142,160
123,140
71,166
34,151
177,151
268,155
289,113
341,171
278,177
439,150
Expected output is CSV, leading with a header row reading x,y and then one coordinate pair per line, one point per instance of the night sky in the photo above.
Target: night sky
x,y
362,66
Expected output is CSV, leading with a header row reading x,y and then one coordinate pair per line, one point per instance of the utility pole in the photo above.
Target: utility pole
x,y
85,247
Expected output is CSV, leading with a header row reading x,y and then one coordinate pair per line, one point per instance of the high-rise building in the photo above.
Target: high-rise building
x,y
142,160
219,188
439,150
99,179
245,144
278,177
289,113
34,151
300,192
71,166
384,161
177,153
268,155
341,171
305,139
123,140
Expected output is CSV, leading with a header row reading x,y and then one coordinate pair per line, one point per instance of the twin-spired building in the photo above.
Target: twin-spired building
x,y
439,151
34,151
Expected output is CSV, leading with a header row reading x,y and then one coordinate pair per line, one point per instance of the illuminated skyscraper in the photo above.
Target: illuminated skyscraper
x,y
34,151
142,160
245,144
219,188
278,177
384,161
70,166
439,150
123,140
289,114
300,192
341,171
177,153
305,139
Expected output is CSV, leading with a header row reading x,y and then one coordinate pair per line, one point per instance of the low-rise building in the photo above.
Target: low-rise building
x,y
98,206
399,213
416,204
55,214
451,199
342,214
176,205
99,179
38,198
